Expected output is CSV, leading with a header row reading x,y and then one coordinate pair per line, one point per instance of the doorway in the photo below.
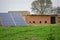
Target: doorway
x,y
53,20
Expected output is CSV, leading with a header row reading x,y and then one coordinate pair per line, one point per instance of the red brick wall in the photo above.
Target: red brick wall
x,y
56,19
37,18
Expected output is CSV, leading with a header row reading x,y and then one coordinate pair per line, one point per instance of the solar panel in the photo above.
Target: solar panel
x,y
12,19
18,19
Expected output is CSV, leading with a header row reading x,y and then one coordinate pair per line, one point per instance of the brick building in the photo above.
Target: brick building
x,y
41,19
38,19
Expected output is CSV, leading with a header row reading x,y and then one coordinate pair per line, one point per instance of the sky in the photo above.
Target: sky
x,y
20,5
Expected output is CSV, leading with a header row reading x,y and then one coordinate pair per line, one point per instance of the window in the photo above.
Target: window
x,y
33,21
45,21
29,21
40,21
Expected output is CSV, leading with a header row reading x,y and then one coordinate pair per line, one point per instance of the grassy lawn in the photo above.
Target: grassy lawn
x,y
46,32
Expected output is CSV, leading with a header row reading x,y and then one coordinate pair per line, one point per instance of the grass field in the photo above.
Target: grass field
x,y
46,32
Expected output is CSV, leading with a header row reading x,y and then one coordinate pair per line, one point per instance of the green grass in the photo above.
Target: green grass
x,y
30,32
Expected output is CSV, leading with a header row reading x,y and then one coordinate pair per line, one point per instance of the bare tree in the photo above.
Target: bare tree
x,y
41,6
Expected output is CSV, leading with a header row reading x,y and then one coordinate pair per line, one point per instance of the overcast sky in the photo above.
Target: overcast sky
x,y
6,5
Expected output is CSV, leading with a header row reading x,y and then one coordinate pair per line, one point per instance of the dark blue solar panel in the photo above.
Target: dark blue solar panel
x,y
11,19
6,19
18,19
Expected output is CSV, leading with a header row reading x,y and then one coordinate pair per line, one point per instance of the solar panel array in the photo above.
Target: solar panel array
x,y
11,19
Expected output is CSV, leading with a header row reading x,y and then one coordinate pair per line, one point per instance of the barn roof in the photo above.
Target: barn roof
x,y
21,12
42,15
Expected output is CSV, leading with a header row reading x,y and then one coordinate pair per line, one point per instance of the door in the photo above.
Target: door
x,y
53,20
